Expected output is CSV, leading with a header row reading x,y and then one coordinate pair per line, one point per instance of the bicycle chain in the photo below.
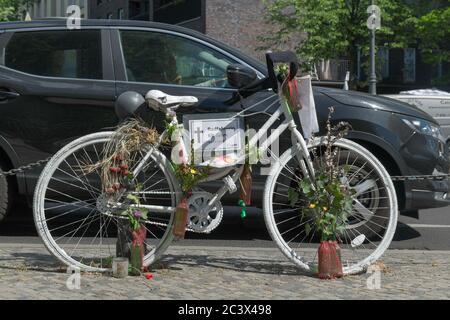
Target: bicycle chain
x,y
441,177
160,224
24,168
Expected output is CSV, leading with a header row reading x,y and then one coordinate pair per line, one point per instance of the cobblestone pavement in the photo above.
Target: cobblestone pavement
x,y
27,271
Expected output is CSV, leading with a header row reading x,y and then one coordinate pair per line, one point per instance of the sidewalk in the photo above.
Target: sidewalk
x,y
27,271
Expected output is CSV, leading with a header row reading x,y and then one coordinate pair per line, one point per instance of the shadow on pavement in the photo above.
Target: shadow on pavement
x,y
240,264
405,232
33,262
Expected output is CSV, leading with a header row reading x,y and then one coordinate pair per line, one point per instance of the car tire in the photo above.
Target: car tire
x,y
5,194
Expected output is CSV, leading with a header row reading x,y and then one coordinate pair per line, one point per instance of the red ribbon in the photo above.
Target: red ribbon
x,y
139,237
293,93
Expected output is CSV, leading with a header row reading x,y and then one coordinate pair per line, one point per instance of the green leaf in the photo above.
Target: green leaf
x,y
340,229
305,185
320,184
307,229
144,213
133,198
124,213
293,196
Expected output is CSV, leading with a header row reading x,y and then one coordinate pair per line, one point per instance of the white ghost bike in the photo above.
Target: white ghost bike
x,y
80,228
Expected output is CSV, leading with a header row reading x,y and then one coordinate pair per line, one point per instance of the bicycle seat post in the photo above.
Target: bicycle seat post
x,y
171,114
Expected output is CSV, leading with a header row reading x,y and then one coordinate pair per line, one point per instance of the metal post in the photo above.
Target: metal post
x,y
373,73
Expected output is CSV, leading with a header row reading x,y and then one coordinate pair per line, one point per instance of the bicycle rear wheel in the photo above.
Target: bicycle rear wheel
x,y
370,227
71,212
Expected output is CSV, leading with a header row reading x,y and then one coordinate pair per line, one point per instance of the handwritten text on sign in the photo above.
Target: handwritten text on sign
x,y
216,134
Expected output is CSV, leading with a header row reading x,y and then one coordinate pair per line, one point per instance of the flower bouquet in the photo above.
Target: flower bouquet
x,y
189,177
136,217
329,202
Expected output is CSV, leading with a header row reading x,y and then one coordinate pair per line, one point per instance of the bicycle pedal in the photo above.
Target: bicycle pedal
x,y
229,183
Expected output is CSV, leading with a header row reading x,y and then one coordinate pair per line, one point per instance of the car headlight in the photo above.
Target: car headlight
x,y
424,127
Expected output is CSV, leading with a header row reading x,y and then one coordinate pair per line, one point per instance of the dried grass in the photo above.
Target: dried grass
x,y
129,137
382,267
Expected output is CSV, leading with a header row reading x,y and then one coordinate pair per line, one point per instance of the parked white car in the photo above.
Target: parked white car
x,y
434,102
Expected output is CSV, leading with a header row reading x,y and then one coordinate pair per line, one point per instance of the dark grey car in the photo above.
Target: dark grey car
x,y
58,84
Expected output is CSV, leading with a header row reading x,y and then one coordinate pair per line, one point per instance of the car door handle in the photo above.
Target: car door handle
x,y
8,95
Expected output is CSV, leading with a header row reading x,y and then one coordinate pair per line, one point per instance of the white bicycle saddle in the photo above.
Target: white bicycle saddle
x,y
159,100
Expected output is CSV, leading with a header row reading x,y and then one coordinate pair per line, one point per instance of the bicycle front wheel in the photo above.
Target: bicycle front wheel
x,y
370,226
71,211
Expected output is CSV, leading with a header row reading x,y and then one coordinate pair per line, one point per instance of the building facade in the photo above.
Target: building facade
x,y
55,8
186,13
237,23
402,69
119,9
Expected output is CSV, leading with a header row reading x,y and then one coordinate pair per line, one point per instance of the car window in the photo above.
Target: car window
x,y
164,58
65,54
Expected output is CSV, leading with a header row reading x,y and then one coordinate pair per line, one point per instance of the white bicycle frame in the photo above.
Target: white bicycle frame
x,y
288,124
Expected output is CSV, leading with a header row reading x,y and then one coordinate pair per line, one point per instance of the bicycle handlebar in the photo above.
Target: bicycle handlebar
x,y
271,81
281,57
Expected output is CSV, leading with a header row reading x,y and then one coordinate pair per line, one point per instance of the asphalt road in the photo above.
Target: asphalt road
x,y
430,232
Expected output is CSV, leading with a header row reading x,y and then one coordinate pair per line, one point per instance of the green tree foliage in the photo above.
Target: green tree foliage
x,y
433,30
336,28
7,10
10,9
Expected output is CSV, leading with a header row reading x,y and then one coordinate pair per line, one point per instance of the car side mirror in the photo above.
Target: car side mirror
x,y
240,76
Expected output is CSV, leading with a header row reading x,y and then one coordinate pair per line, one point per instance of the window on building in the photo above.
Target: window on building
x,y
409,70
176,11
134,9
163,58
120,14
383,57
66,54
139,10
53,12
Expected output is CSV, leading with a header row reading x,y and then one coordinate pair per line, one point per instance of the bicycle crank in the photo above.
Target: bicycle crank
x,y
200,220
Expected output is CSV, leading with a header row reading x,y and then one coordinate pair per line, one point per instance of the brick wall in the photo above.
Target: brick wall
x,y
238,23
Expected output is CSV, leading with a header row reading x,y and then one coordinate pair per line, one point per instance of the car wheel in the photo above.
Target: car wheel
x,y
5,195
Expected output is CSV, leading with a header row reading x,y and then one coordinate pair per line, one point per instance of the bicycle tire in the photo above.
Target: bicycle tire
x,y
39,210
286,247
